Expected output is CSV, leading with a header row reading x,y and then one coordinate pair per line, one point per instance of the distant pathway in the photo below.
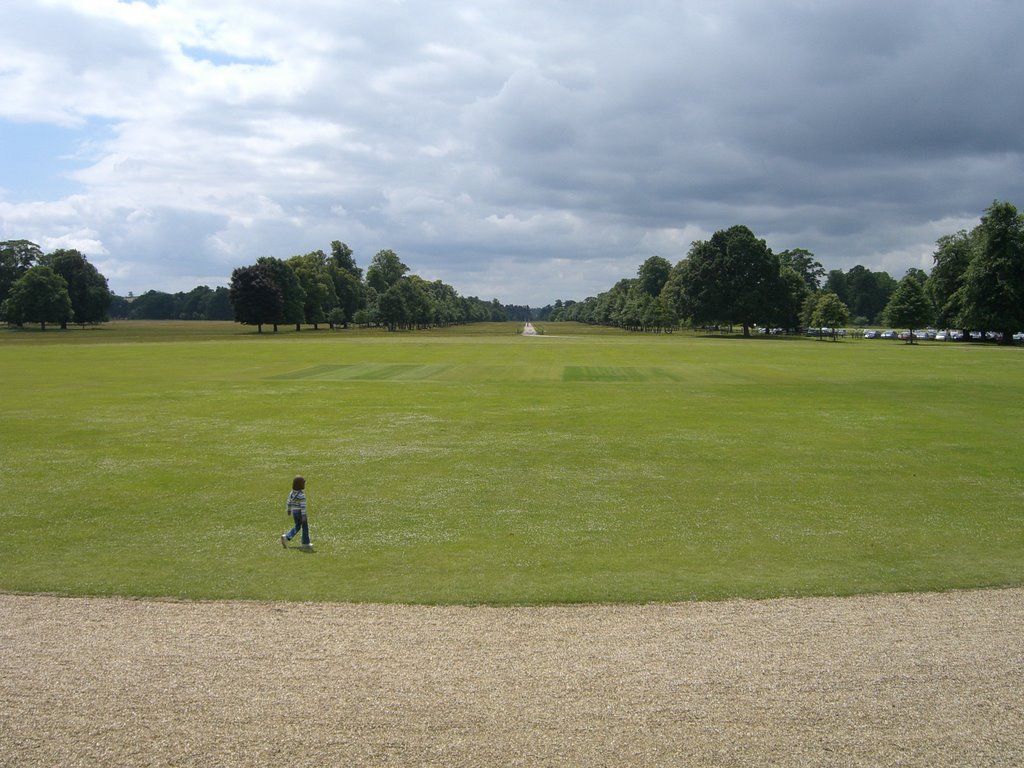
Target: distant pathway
x,y
529,330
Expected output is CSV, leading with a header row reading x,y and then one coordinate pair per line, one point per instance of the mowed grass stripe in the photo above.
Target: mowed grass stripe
x,y
368,372
477,373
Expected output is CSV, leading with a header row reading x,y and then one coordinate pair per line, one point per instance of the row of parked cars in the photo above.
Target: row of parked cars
x,y
934,335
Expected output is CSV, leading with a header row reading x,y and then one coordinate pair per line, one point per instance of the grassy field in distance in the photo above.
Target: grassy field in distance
x,y
473,465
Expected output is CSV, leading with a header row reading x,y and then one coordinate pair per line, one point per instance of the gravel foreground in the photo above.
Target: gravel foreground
x,y
898,680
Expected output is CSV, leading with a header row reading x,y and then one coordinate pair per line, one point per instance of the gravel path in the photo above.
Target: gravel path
x,y
922,680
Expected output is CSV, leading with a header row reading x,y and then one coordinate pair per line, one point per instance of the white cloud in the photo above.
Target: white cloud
x,y
525,152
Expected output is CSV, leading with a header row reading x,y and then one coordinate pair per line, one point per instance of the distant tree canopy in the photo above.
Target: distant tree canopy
x,y
83,286
909,306
733,278
865,292
201,303
316,288
40,295
87,288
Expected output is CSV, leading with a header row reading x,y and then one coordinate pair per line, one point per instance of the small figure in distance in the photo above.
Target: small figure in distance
x,y
297,509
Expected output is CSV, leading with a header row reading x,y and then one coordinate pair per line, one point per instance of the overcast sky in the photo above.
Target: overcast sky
x,y
526,151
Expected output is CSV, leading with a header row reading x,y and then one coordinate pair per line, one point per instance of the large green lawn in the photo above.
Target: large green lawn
x,y
476,465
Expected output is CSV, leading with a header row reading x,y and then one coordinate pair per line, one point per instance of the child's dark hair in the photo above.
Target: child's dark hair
x,y
299,483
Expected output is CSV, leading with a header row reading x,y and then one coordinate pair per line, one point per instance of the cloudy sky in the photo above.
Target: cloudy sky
x,y
521,150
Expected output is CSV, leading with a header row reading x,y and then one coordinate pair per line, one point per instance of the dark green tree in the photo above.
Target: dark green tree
x,y
349,290
341,257
951,258
829,312
256,296
732,278
802,261
393,312
219,306
653,274
317,283
155,305
38,296
791,292
909,306
836,282
16,258
194,305
992,295
293,298
90,296
918,274
385,270
869,291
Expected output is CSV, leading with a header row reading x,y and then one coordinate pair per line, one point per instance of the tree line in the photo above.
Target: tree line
x,y
317,288
313,289
731,279
735,279
59,287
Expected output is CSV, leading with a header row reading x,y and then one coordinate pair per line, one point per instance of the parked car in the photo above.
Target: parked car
x,y
942,336
888,334
871,334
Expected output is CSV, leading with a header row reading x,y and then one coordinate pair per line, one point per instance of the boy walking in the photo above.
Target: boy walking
x,y
297,509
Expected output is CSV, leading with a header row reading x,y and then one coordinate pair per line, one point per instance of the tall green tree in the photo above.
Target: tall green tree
x,y
732,278
293,298
349,290
951,259
255,296
314,274
830,312
16,258
992,294
90,295
909,306
38,296
392,310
